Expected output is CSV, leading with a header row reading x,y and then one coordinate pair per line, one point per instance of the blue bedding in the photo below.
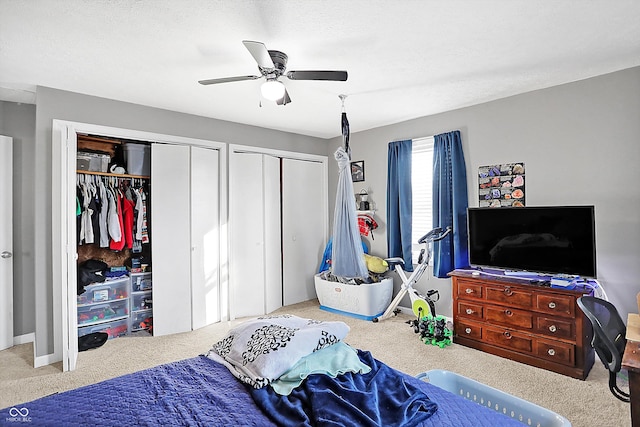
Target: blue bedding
x,y
382,397
196,391
199,391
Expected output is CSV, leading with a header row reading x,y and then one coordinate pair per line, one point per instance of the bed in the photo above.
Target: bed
x,y
212,390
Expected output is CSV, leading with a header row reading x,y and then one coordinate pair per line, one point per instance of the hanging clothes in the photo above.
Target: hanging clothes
x,y
111,212
118,245
86,230
127,221
103,216
145,227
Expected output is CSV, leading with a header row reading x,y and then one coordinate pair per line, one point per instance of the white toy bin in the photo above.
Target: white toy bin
x,y
366,301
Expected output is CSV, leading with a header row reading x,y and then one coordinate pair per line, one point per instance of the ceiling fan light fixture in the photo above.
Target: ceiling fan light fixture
x,y
272,89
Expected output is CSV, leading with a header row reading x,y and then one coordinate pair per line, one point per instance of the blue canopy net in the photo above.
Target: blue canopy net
x,y
347,257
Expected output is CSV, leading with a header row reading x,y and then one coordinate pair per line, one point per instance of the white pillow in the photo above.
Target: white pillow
x,y
259,351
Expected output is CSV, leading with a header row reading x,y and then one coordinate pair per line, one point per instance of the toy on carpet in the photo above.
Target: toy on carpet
x,y
432,330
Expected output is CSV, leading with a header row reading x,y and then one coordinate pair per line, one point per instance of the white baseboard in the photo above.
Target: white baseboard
x,y
38,361
24,339
47,359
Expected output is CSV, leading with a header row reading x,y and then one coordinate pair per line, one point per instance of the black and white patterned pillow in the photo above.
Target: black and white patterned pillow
x,y
259,351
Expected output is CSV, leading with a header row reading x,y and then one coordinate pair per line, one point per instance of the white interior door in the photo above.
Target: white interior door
x,y
205,237
6,242
304,218
170,238
246,234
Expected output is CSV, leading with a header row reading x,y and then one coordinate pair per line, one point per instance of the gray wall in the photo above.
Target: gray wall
x,y
19,122
580,145
56,104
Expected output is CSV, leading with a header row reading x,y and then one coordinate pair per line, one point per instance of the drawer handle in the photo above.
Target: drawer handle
x,y
553,328
467,330
551,352
507,291
508,312
469,291
507,335
469,311
552,305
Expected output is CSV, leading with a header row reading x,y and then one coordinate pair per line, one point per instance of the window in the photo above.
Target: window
x,y
421,187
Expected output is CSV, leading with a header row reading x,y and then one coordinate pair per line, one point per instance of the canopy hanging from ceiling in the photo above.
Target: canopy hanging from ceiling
x,y
347,258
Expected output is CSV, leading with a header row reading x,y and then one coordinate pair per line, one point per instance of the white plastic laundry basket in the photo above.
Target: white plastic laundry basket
x,y
526,412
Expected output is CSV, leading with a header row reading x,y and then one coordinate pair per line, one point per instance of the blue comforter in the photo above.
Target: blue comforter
x,y
382,397
201,392
192,392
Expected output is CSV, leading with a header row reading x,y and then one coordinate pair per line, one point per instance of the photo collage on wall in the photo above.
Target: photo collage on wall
x,y
501,185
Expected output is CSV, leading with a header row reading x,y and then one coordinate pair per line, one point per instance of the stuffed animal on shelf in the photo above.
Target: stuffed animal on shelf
x,y
376,264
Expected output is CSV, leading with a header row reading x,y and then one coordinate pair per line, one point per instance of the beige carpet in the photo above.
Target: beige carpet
x,y
585,403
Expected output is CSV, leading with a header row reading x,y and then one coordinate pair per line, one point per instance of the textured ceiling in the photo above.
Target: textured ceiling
x,y
405,59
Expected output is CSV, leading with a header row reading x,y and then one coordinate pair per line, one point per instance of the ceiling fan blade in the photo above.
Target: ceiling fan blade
x,y
227,80
260,53
285,99
340,76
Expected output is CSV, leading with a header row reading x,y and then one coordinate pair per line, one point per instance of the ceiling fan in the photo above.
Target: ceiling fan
x,y
272,65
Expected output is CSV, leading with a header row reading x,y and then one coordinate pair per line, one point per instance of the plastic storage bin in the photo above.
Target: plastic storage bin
x,y
138,317
365,301
115,329
138,158
140,282
100,313
141,301
110,290
526,412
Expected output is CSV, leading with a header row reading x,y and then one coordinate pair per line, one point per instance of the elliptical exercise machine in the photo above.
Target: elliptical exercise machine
x,y
422,305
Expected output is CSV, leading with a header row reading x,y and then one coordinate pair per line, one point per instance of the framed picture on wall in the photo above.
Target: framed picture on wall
x,y
357,171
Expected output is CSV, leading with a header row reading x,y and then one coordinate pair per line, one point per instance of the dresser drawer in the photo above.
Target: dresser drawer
x,y
561,305
469,309
556,351
554,327
508,316
512,297
468,289
468,329
507,338
512,318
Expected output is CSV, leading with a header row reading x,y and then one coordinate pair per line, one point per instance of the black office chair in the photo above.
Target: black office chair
x,y
608,337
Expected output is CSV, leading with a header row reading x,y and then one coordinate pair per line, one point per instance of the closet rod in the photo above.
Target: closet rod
x,y
118,175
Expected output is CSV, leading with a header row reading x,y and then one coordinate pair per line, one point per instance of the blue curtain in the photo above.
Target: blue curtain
x,y
399,202
450,203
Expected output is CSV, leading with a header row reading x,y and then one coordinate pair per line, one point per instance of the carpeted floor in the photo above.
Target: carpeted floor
x,y
584,403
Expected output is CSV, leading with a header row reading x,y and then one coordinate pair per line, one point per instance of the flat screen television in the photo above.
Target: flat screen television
x,y
551,239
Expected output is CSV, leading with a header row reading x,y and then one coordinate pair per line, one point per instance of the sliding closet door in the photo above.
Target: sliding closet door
x,y
303,227
205,237
170,238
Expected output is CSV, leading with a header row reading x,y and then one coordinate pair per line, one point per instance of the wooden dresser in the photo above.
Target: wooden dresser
x,y
528,323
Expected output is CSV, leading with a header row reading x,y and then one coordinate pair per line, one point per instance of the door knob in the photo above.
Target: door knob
x,y
6,254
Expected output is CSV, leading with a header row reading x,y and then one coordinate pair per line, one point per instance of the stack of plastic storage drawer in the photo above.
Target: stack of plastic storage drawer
x,y
141,300
104,307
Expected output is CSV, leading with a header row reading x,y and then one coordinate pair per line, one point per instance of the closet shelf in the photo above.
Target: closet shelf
x,y
117,175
